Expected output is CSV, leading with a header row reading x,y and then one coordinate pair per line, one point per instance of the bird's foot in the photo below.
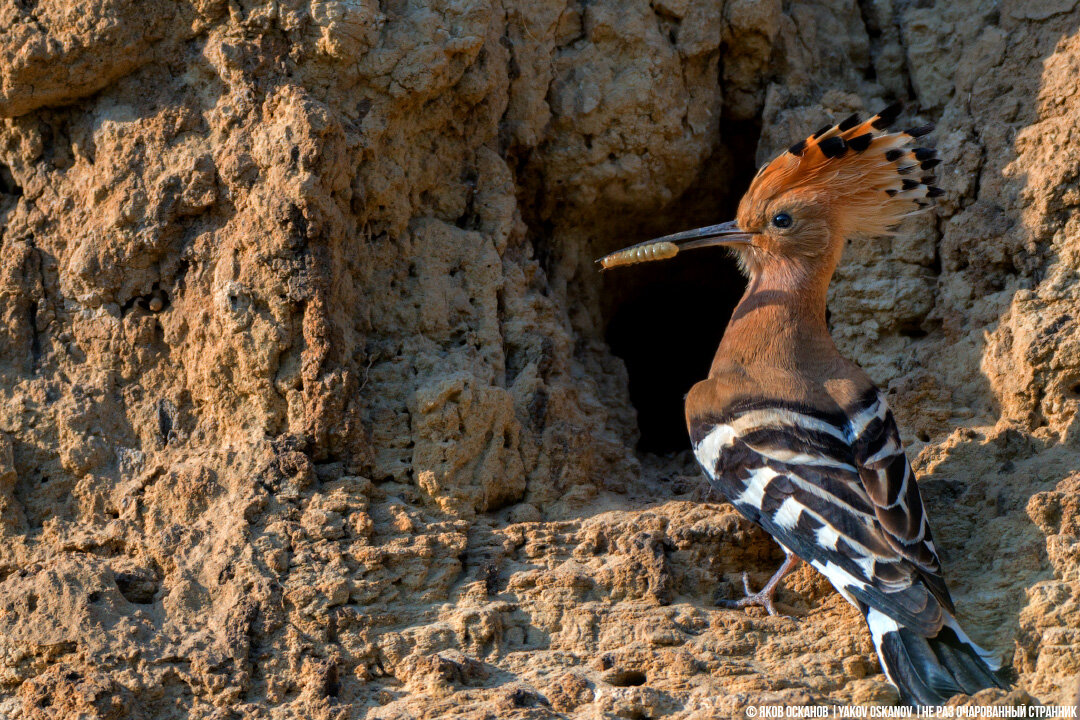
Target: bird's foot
x,y
763,598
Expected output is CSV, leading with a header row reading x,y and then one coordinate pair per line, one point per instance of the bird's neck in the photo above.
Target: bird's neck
x,y
780,324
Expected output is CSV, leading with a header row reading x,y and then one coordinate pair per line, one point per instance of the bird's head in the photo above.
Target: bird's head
x,y
853,179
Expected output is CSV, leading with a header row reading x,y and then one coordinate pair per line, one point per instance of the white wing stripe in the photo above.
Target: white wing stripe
x,y
708,450
794,457
755,488
787,515
780,418
859,423
891,448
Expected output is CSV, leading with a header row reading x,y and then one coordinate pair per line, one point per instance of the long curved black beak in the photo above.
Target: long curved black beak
x,y
662,248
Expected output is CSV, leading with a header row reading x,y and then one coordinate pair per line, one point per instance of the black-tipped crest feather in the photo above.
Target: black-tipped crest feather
x,y
888,116
860,143
849,122
833,147
854,162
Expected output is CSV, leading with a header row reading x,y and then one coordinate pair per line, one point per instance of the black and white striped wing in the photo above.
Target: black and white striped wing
x,y
890,484
836,498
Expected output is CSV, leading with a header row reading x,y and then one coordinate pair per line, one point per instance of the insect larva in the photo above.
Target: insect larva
x,y
640,254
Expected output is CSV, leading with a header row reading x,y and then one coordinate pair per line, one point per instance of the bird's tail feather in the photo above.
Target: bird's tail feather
x,y
929,671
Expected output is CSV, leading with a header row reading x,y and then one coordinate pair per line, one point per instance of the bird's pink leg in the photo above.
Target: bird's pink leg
x,y
764,597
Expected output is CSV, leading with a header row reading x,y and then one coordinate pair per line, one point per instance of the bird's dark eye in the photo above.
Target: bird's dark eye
x,y
782,220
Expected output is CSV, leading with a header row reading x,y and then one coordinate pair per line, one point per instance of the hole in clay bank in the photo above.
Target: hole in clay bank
x,y
1072,389
912,329
665,319
627,678
665,327
8,186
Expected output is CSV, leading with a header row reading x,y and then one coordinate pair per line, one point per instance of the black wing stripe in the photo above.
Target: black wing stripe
x,y
824,447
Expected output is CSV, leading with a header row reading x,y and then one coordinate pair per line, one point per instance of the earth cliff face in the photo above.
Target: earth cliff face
x,y
309,404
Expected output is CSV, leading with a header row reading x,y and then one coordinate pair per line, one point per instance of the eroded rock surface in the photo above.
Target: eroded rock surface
x,y
308,407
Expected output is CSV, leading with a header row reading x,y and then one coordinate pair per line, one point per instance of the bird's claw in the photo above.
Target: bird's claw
x,y
763,598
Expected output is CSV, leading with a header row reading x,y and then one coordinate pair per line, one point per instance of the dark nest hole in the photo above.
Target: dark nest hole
x,y
666,329
665,319
8,186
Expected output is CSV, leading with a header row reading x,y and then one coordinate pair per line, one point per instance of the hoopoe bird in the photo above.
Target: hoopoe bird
x,y
796,436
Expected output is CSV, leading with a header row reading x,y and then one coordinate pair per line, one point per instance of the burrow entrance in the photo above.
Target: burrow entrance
x,y
666,329
665,319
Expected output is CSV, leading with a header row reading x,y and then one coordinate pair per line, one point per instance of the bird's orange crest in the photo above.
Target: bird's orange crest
x,y
870,178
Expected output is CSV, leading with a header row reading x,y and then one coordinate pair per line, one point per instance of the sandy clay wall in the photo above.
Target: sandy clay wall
x,y
313,404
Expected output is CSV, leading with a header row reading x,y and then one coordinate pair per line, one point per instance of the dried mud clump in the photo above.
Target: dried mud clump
x,y
308,404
